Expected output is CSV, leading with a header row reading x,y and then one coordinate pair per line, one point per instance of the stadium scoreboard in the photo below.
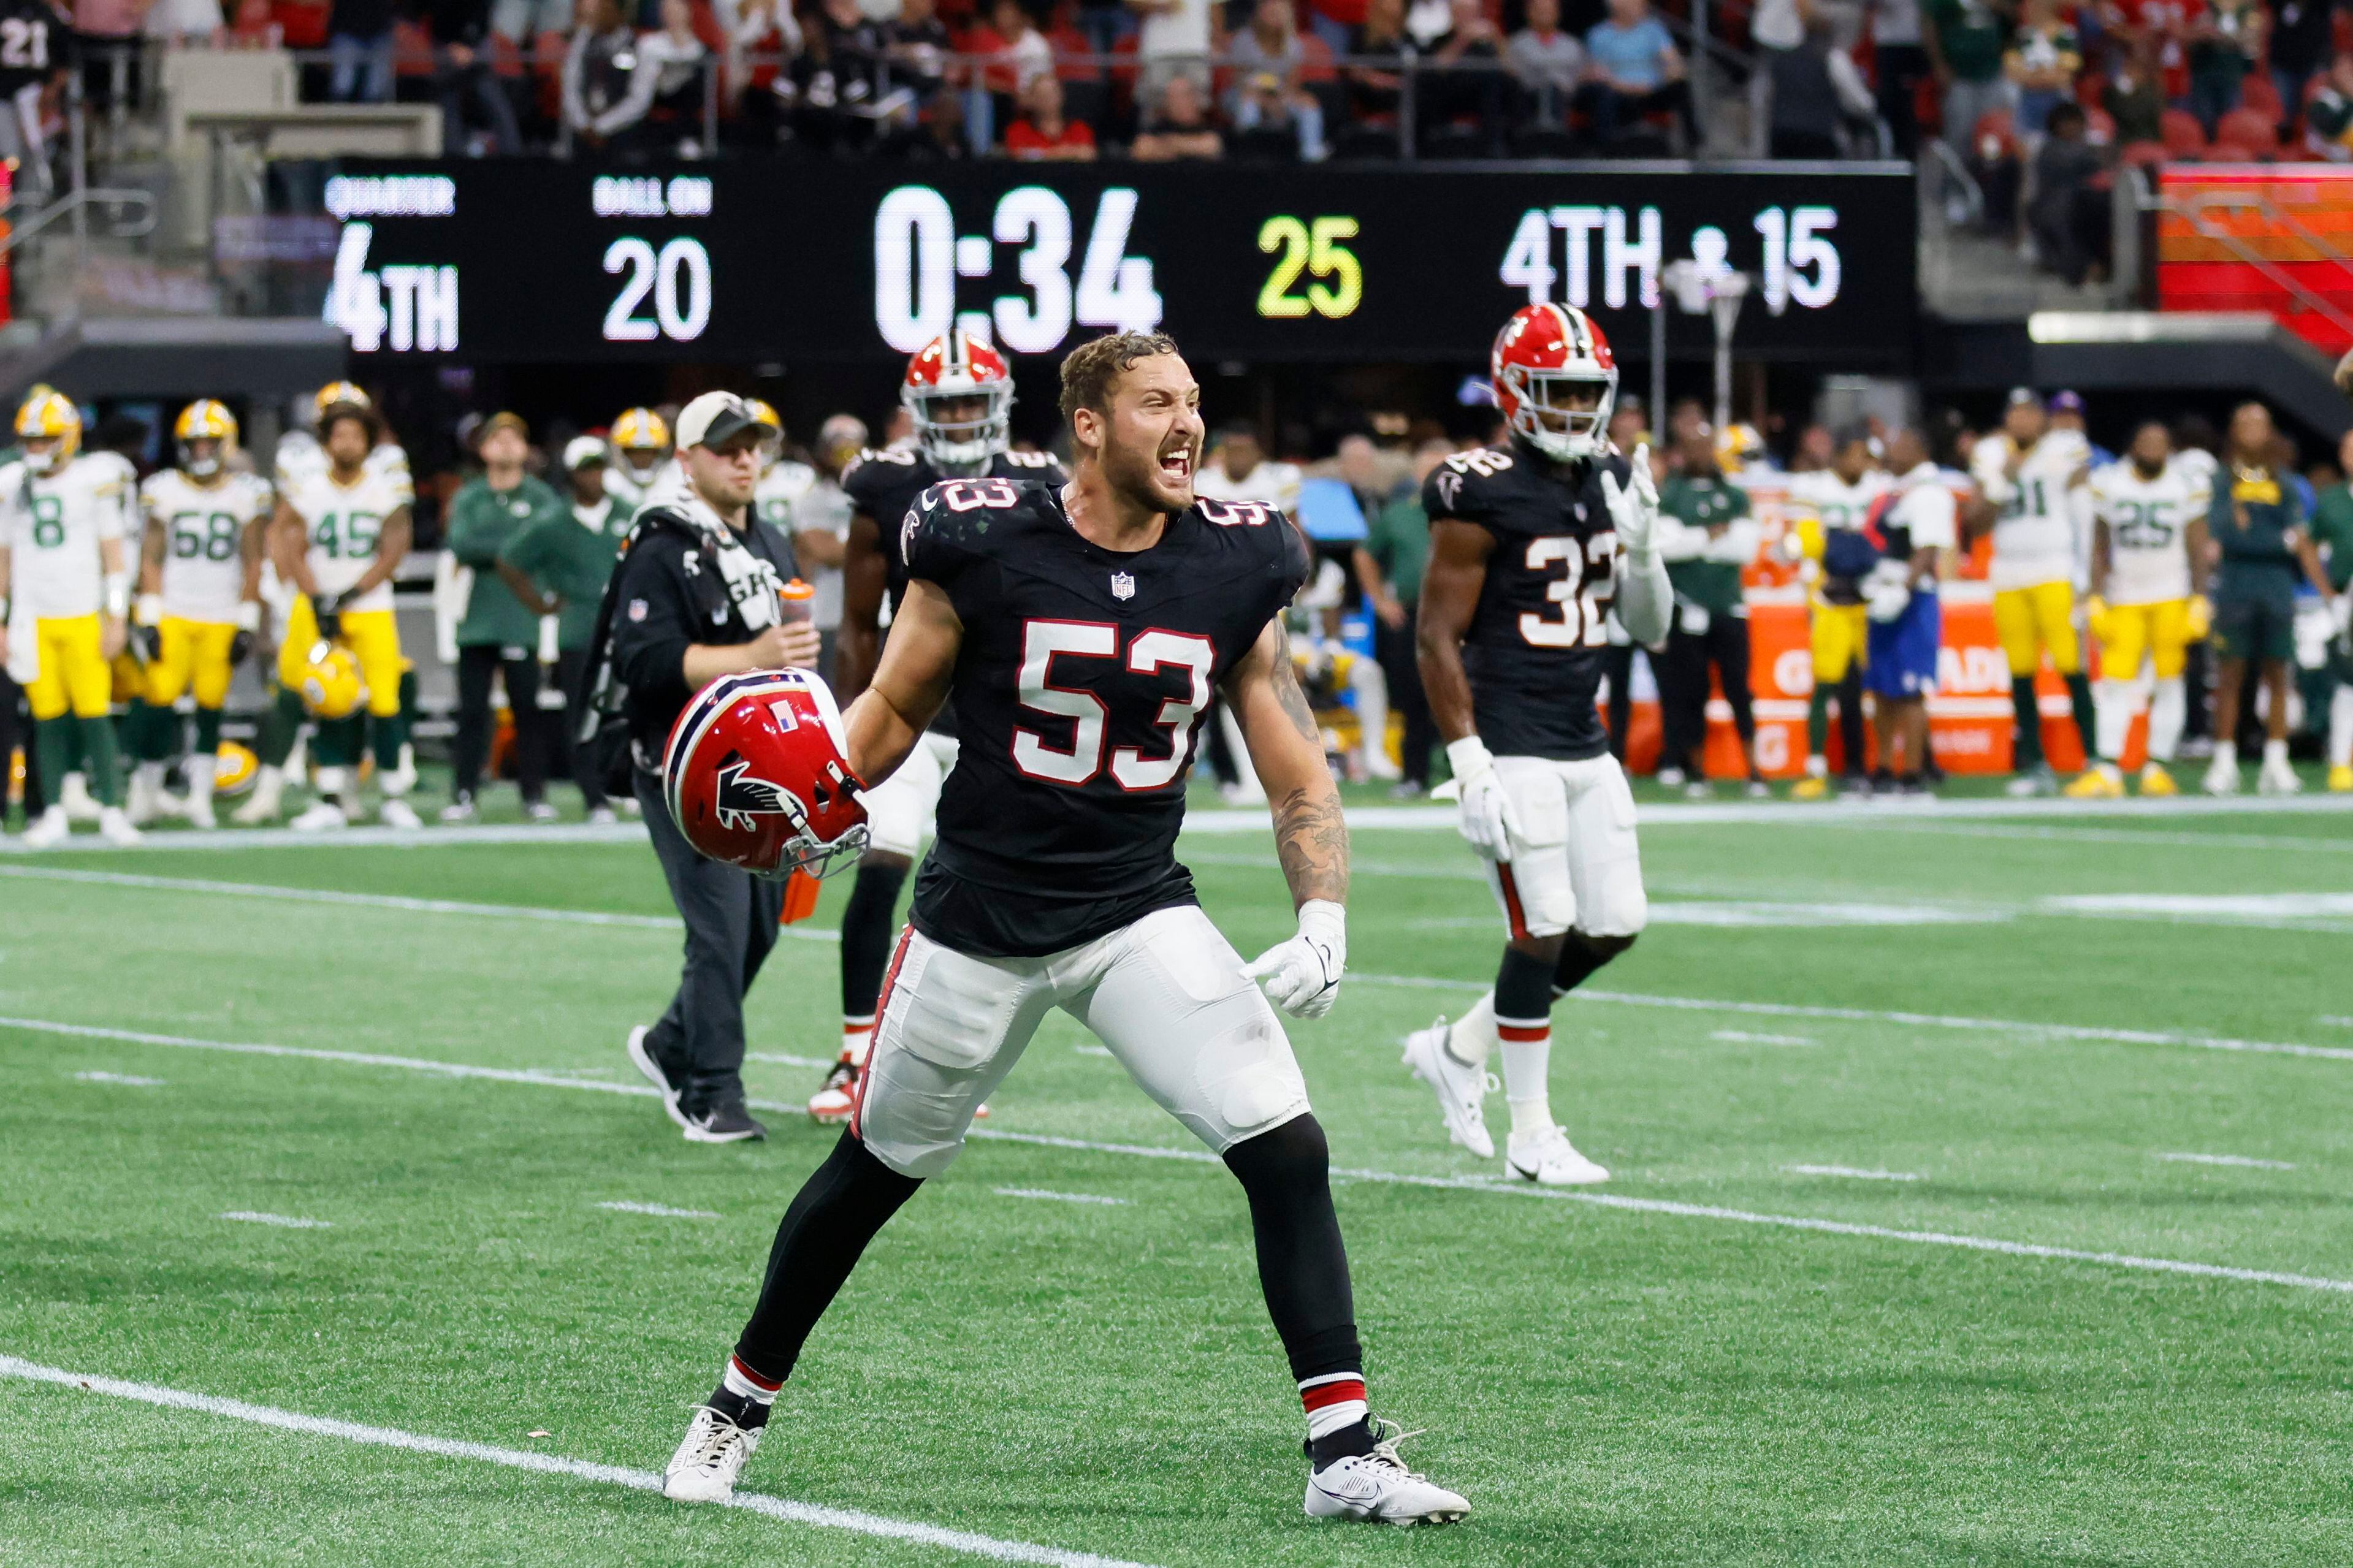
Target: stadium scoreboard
x,y
534,261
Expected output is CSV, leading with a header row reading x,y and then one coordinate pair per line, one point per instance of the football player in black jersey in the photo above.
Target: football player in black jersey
x,y
1078,631
958,391
1530,543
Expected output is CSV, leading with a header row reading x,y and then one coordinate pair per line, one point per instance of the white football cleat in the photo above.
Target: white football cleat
x,y
52,828
268,786
1458,1085
398,813
200,812
115,827
1550,1160
833,1102
75,796
2277,778
322,816
708,1459
1378,1488
2221,777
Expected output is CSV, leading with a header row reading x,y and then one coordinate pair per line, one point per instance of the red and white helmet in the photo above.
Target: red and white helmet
x,y
757,775
1542,351
956,364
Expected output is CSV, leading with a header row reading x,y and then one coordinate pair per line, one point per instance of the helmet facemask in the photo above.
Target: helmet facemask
x,y
203,456
970,441
1541,416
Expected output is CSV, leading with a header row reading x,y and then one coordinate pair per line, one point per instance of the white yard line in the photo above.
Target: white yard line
x,y
132,1080
782,1060
233,838
283,894
661,1211
776,1508
286,1221
1202,1156
2229,1160
1852,1173
2219,841
1743,1037
1059,1197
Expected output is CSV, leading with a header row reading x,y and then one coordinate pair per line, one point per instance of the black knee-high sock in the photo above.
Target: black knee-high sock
x,y
2027,710
1302,1265
2086,716
866,936
1581,956
835,1214
280,728
1524,987
1850,700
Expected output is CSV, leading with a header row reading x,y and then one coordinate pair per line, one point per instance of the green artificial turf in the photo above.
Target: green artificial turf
x,y
1610,1384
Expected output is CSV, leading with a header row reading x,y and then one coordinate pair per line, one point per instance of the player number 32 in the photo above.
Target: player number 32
x,y
1583,598
1148,655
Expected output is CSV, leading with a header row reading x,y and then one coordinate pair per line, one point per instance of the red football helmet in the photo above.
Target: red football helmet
x,y
956,366
1545,350
757,775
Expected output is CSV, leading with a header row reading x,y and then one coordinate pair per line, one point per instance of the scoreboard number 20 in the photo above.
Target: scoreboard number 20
x,y
677,278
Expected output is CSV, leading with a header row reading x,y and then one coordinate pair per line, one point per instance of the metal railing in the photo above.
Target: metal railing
x,y
2194,209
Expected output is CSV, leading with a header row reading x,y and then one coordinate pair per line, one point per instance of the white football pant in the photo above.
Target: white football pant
x,y
1574,864
900,811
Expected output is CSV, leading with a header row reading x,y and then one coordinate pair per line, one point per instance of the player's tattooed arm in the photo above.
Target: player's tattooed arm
x,y
1450,594
1286,748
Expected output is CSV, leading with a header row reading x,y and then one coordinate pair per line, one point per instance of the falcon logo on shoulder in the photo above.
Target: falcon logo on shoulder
x,y
741,797
1450,488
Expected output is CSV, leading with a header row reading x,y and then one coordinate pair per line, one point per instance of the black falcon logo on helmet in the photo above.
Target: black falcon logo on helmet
x,y
741,796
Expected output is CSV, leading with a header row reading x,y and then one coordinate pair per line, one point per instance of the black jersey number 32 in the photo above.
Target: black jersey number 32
x,y
1582,590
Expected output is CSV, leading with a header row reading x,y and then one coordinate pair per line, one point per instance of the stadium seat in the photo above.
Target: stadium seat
x,y
2252,129
1074,55
2142,154
2185,138
2257,95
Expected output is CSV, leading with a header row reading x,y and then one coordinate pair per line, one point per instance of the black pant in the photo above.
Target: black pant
x,y
1902,68
471,749
1613,114
1682,687
1394,646
731,926
562,729
16,729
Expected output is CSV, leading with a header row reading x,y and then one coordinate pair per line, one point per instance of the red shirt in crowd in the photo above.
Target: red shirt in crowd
x,y
1023,140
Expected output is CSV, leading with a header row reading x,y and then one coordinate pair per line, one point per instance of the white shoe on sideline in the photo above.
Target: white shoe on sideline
x,y
1550,1160
321,816
200,812
395,811
2278,779
115,827
600,817
1378,1488
53,827
268,791
2221,777
708,1459
1458,1085
75,796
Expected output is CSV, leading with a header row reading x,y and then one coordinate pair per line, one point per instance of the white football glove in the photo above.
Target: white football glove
x,y
1634,508
1486,817
1302,976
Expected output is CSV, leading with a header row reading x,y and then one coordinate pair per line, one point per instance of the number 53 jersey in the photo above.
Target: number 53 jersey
x,y
1082,680
1537,637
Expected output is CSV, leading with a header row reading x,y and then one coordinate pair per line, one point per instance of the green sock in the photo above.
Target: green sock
x,y
105,761
279,727
407,700
338,741
53,750
2028,712
2087,723
1817,721
154,732
387,736
209,724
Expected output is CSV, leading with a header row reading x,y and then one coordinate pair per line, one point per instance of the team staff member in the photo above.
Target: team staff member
x,y
2258,521
1388,568
695,598
2332,530
557,564
1703,558
498,634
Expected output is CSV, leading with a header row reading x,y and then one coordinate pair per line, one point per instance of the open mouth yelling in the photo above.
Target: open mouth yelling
x,y
1176,466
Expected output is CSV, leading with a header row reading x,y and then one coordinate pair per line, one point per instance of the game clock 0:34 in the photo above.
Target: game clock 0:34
x,y
527,261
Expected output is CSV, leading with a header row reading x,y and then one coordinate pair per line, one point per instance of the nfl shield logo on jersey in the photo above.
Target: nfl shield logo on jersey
x,y
1123,585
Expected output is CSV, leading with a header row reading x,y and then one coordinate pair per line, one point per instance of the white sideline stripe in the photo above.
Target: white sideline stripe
x,y
2229,1160
1914,1020
350,839
661,1211
290,1222
782,1060
1743,1037
1849,1171
1203,1157
1059,1197
133,1080
2338,1019
2122,835
776,1508
366,900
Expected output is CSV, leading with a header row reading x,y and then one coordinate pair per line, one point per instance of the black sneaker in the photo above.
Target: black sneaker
x,y
642,1055
723,1122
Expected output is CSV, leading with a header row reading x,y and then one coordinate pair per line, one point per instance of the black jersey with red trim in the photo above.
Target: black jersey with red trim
x,y
1538,636
885,483
1082,684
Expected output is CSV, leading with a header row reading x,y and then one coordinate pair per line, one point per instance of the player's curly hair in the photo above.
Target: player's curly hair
x,y
1089,369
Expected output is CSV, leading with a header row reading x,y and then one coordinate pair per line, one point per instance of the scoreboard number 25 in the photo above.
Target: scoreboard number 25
x,y
1312,247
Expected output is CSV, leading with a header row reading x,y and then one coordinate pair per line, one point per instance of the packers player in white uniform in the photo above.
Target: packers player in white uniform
x,y
336,539
301,458
2024,479
199,603
1826,510
2148,547
64,587
642,462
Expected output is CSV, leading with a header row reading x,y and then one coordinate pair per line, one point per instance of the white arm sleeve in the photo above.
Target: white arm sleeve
x,y
1646,600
